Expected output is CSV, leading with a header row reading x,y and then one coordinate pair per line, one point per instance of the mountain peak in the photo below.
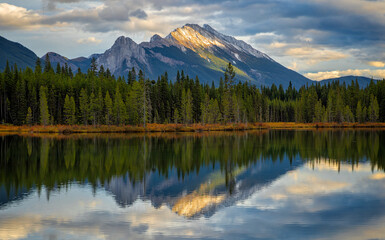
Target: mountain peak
x,y
199,51
122,40
208,28
155,38
193,26
194,37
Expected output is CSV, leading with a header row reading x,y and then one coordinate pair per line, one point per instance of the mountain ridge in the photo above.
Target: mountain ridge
x,y
15,53
199,51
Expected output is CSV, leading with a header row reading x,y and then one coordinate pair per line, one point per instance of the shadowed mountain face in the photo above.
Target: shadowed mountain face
x,y
199,51
15,53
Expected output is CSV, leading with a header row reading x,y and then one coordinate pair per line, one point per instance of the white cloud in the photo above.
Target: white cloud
x,y
89,40
293,66
376,74
14,17
315,55
377,64
277,45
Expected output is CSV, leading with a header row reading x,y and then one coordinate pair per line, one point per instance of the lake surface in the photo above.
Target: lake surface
x,y
248,185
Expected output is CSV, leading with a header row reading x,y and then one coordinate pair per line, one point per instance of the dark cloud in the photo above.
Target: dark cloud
x,y
114,12
343,24
139,14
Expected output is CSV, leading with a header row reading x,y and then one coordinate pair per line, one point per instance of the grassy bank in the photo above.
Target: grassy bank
x,y
180,127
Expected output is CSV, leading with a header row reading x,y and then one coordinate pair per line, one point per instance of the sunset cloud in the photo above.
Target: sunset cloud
x,y
376,74
89,40
14,17
377,64
315,55
318,35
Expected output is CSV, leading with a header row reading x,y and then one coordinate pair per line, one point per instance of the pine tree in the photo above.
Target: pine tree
x,y
21,101
205,107
47,64
187,106
44,114
99,106
331,106
135,103
119,108
359,113
176,116
373,110
197,100
38,66
73,110
227,100
349,117
365,114
109,109
93,107
340,109
214,112
318,112
29,118
94,66
69,110
84,106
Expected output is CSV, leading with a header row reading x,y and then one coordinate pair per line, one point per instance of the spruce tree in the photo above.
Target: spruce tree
x,y
227,100
29,118
44,114
187,106
119,108
373,110
93,107
84,106
359,113
205,107
47,64
21,102
109,109
214,115
69,110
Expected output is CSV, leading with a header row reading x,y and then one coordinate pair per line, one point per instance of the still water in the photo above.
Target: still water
x,y
248,185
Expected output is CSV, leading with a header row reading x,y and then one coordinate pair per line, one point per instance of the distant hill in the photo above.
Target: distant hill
x,y
362,81
80,62
15,53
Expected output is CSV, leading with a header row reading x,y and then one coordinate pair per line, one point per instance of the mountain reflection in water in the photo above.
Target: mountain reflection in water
x,y
197,177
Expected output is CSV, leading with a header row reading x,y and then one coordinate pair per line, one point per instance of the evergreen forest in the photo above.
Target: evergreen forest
x,y
51,95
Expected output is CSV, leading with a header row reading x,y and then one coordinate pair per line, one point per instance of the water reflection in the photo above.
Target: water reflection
x,y
277,184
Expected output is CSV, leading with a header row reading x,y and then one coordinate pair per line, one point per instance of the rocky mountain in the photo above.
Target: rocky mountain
x,y
199,51
15,53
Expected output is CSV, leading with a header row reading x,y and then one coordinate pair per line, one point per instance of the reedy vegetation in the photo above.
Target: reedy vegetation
x,y
45,96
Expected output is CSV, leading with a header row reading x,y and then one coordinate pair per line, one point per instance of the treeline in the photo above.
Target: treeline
x,y
47,96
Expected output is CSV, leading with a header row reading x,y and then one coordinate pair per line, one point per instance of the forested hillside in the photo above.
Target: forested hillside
x,y
59,96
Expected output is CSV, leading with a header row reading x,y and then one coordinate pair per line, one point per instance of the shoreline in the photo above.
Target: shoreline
x,y
153,127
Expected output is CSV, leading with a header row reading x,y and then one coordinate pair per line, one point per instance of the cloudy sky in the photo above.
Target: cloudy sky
x,y
318,38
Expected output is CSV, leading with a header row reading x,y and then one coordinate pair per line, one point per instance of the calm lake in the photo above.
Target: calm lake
x,y
247,185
